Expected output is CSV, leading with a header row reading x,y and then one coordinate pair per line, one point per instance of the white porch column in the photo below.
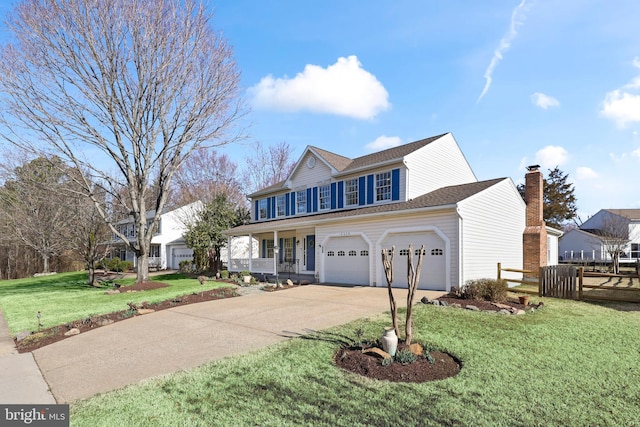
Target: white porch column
x,y
228,252
275,253
250,251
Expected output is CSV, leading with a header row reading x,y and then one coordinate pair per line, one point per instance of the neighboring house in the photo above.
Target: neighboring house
x,y
333,216
168,247
607,230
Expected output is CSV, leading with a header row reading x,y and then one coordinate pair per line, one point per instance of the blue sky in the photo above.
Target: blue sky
x,y
517,82
555,83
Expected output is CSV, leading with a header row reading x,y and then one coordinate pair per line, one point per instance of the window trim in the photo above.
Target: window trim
x,y
281,206
263,209
301,202
326,189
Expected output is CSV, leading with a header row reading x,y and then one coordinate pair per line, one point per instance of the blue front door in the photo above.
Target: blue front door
x,y
311,252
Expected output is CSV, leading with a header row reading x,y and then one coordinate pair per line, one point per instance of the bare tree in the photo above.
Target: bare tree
x,y
614,236
268,166
34,207
204,176
131,85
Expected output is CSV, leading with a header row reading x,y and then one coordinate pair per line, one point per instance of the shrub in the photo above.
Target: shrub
x,y
126,265
186,266
245,273
224,274
487,289
115,264
405,356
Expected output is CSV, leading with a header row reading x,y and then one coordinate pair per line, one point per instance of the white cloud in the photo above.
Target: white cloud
x,y
544,101
551,156
383,142
517,19
344,88
623,105
584,172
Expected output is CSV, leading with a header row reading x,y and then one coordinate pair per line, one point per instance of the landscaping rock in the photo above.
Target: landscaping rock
x,y
424,300
104,322
71,332
22,335
378,352
472,308
145,310
444,303
435,302
456,305
499,305
416,348
289,282
519,312
505,311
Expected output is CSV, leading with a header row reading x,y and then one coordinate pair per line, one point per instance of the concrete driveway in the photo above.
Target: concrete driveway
x,y
184,337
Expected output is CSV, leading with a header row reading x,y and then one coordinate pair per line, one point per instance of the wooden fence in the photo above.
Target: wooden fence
x,y
563,281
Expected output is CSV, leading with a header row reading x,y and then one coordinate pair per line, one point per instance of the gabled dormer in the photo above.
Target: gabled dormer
x,y
323,181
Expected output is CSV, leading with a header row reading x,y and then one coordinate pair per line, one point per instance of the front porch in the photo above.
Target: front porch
x,y
287,253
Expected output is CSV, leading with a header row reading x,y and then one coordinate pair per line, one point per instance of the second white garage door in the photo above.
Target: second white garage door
x,y
432,275
346,261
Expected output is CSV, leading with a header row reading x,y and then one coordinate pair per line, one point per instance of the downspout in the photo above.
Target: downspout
x,y
460,249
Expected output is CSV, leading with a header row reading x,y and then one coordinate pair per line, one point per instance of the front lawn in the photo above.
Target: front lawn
x,y
65,297
568,364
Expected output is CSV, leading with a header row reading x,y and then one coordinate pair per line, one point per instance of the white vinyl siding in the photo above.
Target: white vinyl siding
x,y
493,222
436,165
304,176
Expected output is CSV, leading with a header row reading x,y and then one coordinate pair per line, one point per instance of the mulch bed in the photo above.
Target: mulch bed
x,y
56,333
481,304
370,366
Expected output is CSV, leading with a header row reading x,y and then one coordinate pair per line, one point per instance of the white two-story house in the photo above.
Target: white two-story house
x,y
333,216
168,247
607,231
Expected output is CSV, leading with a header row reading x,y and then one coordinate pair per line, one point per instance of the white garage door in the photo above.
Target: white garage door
x,y
180,254
346,261
432,275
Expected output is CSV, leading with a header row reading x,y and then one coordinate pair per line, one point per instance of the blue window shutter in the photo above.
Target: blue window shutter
x,y
264,248
293,243
361,191
281,251
309,201
293,202
256,214
395,184
340,194
268,207
370,188
286,204
333,195
315,199
273,207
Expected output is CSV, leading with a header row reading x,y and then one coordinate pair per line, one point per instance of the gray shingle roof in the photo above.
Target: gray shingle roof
x,y
446,196
632,214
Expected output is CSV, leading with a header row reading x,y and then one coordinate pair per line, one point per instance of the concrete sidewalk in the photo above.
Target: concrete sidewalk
x,y
20,376
184,337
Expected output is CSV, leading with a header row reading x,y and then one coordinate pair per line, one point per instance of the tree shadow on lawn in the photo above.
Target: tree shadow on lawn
x,y
617,305
72,282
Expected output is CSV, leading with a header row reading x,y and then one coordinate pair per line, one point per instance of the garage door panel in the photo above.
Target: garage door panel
x,y
433,272
180,254
347,261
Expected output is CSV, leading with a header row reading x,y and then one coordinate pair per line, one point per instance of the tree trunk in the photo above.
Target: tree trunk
x,y
413,280
142,262
45,263
92,273
388,272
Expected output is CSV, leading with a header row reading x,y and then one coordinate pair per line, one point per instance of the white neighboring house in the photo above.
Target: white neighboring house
x,y
587,243
168,247
333,215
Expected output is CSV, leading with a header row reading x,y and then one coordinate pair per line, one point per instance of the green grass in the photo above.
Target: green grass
x,y
65,297
569,364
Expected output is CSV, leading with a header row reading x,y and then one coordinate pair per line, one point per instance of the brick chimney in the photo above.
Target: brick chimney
x,y
534,239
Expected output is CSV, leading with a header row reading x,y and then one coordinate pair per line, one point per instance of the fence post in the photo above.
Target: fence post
x,y
580,279
499,270
540,280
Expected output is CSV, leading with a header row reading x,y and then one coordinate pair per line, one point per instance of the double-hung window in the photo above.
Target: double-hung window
x,y
351,191
383,186
288,250
262,209
281,209
269,248
301,201
324,194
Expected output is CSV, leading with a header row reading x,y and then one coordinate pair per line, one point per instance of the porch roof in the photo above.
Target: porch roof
x,y
446,197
